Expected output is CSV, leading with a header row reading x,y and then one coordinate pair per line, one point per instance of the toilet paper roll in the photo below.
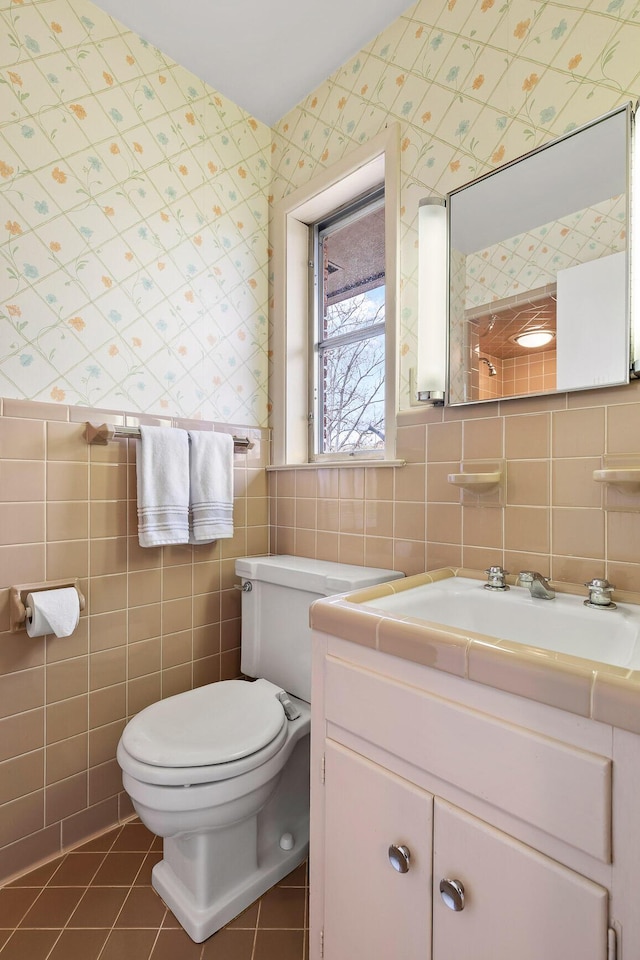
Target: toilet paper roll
x,y
53,611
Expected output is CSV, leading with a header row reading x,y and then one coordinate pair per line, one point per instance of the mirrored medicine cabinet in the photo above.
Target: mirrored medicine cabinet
x,y
539,271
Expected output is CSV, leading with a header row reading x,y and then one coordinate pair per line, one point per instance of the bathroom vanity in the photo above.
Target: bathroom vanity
x,y
473,798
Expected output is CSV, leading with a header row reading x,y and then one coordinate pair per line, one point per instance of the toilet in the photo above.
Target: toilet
x,y
221,772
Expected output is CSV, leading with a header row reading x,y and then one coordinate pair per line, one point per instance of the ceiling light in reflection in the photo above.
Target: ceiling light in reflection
x,y
534,338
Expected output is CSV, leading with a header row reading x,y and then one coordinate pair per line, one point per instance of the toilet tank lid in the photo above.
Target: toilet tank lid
x,y
323,577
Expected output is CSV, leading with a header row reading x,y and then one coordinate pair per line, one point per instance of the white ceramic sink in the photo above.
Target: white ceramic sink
x,y
563,625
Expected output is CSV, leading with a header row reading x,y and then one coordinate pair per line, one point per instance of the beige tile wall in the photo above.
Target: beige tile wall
x,y
529,374
411,519
157,621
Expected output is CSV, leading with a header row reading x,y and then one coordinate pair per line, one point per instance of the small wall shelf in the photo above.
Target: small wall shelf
x,y
479,482
620,477
628,478
476,482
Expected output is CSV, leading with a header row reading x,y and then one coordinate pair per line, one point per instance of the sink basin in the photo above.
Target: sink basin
x,y
563,625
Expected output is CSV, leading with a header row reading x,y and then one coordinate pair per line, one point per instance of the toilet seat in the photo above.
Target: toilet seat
x,y
211,733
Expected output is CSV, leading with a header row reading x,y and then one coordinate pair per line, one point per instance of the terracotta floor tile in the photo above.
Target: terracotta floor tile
x,y
230,944
53,907
279,945
99,907
118,869
96,903
79,945
142,908
130,945
170,921
144,877
172,944
14,903
76,870
39,876
134,838
104,842
31,944
297,877
283,907
248,919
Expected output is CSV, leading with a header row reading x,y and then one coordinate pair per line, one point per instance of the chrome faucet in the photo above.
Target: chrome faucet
x,y
537,584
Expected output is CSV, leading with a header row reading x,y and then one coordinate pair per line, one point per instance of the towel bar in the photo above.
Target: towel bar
x,y
105,432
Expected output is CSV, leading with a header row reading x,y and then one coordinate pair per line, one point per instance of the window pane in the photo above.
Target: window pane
x,y
345,316
349,373
353,391
353,258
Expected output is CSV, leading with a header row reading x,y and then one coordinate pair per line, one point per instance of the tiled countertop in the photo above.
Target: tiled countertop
x,y
584,687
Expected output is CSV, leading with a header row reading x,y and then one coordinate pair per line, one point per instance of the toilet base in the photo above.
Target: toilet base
x,y
202,922
208,877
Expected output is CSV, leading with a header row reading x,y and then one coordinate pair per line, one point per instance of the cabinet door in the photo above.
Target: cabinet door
x,y
518,903
371,910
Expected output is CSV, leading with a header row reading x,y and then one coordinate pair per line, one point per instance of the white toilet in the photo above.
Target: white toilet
x,y
222,772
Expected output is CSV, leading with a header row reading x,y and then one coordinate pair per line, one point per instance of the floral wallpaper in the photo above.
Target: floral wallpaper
x,y
134,199
532,260
133,224
473,85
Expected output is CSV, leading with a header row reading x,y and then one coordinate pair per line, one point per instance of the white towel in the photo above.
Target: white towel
x,y
162,471
211,486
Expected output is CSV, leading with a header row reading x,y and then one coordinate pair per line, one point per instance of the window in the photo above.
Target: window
x,y
347,410
332,331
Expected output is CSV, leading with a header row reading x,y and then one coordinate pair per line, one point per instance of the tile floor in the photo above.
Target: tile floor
x,y
97,903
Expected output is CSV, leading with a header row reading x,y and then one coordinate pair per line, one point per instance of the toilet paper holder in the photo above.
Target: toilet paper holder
x,y
18,610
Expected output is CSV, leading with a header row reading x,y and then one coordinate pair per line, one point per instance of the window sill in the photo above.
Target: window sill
x,y
347,464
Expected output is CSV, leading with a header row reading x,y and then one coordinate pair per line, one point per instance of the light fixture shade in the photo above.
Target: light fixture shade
x,y
432,300
533,338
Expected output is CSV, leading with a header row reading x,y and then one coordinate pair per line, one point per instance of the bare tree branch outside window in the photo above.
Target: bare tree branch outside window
x,y
353,377
350,339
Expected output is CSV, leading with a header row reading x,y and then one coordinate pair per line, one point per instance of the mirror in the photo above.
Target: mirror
x,y
539,247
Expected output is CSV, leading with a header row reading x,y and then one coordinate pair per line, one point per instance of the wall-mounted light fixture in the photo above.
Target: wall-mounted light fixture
x,y
533,338
432,300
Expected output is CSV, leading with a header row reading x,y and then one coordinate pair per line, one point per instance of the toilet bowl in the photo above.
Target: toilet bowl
x,y
222,775
221,772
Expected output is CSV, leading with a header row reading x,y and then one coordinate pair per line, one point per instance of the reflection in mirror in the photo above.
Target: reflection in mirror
x,y
539,246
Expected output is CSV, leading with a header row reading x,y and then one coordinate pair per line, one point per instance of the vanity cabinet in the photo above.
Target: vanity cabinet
x,y
426,770
512,902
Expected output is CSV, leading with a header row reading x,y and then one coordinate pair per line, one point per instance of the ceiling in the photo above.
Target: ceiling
x,y
496,328
266,57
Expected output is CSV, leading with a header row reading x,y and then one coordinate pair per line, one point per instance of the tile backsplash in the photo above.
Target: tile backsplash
x,y
157,622
411,519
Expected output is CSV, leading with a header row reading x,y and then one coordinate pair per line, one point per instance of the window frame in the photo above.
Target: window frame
x,y
374,199
369,165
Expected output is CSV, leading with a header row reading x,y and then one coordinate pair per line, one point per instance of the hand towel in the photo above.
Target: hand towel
x,y
162,471
211,486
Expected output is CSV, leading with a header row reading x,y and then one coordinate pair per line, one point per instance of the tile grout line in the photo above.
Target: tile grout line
x,y
86,888
255,932
131,886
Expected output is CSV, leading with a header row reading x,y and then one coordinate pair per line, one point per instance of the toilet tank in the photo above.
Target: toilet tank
x,y
276,637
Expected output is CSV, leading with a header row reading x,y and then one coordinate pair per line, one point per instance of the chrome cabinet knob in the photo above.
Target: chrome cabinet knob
x,y
399,857
452,893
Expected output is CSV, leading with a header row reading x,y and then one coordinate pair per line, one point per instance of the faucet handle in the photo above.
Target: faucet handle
x,y
496,577
600,591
